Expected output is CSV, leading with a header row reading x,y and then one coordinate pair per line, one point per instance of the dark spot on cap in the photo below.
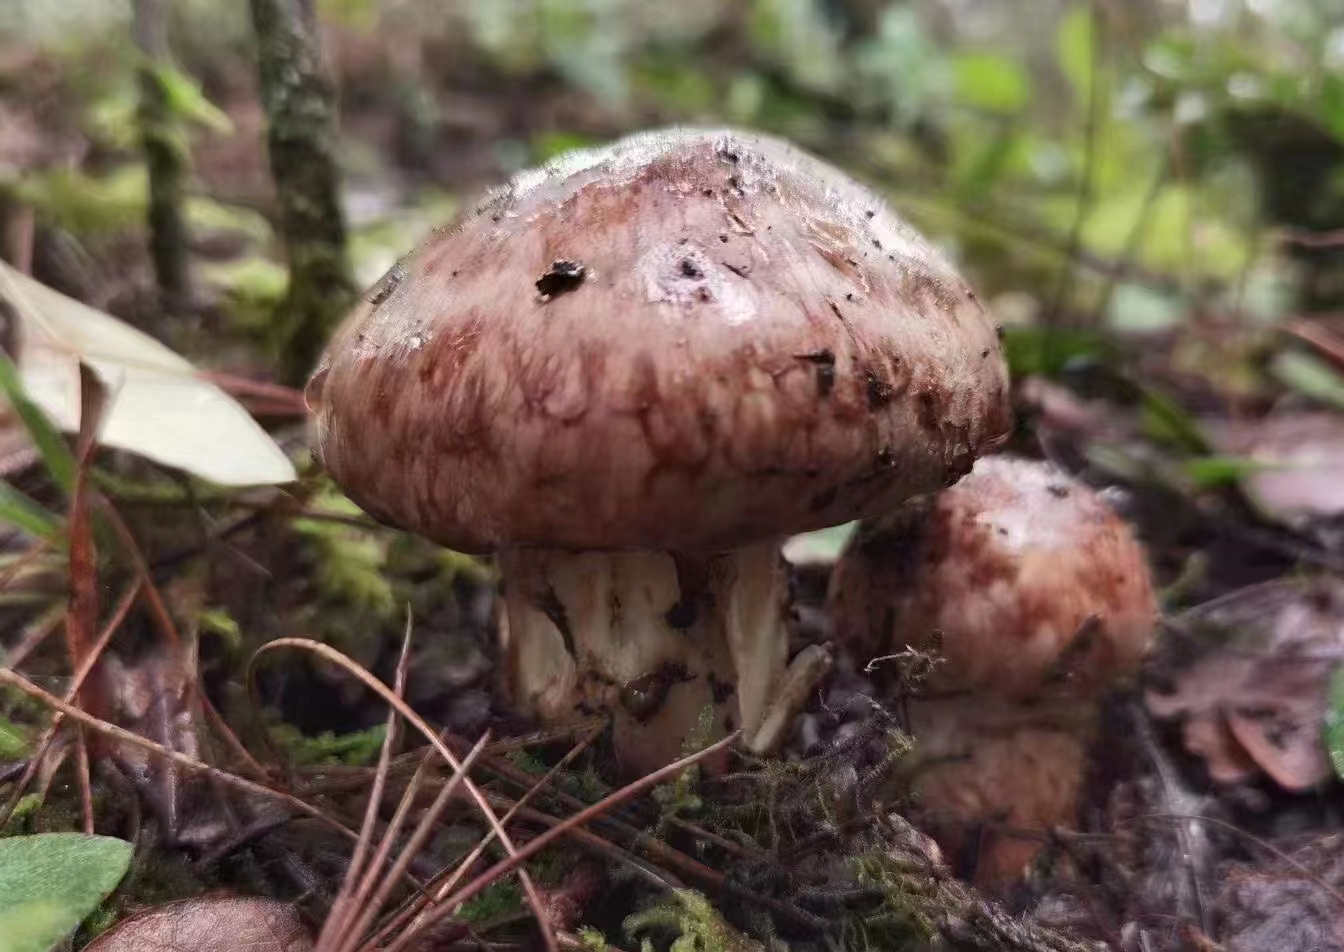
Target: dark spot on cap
x,y
879,390
708,193
870,214
738,269
561,277
728,155
928,410
723,238
690,269
877,244
1058,490
824,361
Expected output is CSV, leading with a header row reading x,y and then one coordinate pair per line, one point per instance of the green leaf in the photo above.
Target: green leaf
x,y
1310,376
17,509
1334,722
991,82
55,452
1164,421
51,882
1209,472
1074,46
1045,351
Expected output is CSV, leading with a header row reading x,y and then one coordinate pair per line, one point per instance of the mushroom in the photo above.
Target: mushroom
x,y
1036,597
630,374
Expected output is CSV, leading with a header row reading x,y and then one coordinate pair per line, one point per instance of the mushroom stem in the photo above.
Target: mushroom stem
x,y
654,641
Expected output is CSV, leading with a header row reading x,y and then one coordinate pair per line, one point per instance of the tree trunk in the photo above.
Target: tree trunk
x,y
165,159
301,117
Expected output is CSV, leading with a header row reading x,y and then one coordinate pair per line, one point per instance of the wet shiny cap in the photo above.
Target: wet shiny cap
x,y
686,340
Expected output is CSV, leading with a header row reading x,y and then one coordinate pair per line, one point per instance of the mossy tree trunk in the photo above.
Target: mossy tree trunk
x,y
301,135
165,158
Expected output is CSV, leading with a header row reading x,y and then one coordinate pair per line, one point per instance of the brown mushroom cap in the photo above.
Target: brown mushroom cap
x,y
687,340
1020,576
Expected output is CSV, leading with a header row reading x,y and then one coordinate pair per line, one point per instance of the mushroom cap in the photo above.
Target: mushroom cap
x,y
1020,577
687,340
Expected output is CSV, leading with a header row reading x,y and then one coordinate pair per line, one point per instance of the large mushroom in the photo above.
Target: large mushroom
x,y
1036,599
630,373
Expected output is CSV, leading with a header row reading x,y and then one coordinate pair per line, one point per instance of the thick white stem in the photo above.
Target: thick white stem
x,y
750,590
590,632
624,634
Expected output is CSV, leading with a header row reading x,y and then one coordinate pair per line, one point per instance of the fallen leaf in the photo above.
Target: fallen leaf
x,y
222,924
1299,457
159,406
1252,684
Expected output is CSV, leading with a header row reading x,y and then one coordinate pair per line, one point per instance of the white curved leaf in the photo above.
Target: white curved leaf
x,y
158,406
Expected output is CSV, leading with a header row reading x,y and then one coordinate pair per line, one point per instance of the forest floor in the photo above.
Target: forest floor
x,y
1212,816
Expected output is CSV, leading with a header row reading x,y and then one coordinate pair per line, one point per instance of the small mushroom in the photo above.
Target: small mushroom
x,y
630,373
1035,597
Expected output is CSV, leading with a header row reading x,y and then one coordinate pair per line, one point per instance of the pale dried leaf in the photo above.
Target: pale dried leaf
x,y
1300,459
225,924
160,407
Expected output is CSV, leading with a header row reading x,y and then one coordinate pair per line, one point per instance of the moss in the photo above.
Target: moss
x,y
14,740
88,205
348,562
253,288
356,749
501,898
696,923
590,940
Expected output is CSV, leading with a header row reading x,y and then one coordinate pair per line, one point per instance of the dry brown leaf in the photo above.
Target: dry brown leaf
x,y
1255,690
224,924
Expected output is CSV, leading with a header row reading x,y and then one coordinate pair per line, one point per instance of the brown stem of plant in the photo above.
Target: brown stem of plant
x,y
49,735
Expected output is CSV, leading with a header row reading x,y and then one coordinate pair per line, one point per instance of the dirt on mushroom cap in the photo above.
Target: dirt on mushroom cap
x,y
687,340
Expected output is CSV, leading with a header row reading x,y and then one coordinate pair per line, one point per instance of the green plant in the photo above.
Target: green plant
x,y
51,882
